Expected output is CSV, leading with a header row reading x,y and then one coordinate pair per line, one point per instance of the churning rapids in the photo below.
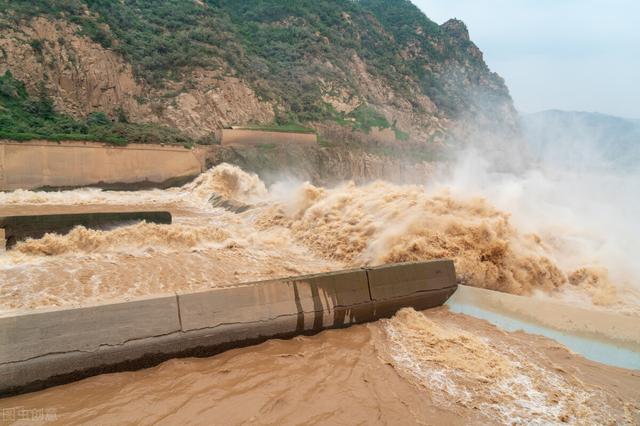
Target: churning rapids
x,y
289,228
429,368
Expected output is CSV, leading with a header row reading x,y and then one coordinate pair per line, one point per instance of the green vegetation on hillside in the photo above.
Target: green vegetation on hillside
x,y
25,118
289,51
365,118
285,128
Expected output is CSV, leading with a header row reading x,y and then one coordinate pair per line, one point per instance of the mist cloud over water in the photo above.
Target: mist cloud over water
x,y
577,187
514,218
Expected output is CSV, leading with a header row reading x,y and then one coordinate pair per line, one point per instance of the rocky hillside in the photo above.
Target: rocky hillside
x,y
160,70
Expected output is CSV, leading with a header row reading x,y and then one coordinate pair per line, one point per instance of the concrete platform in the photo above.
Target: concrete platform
x,y
43,349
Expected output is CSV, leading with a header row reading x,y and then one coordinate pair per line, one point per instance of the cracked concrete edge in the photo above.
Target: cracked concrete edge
x,y
389,282
58,368
27,336
39,350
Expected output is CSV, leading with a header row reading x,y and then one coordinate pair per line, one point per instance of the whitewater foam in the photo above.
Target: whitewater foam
x,y
475,371
345,226
225,180
139,236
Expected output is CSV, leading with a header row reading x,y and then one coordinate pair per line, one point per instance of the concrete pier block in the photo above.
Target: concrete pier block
x,y
420,285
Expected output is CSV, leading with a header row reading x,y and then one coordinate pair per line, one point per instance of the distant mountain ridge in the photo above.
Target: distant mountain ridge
x,y
586,137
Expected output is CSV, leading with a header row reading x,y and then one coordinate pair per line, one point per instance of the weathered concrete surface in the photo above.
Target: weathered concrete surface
x,y
311,302
18,228
44,349
243,137
86,329
36,347
392,281
421,285
67,164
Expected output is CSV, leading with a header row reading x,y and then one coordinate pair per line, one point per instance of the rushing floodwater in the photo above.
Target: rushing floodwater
x,y
289,229
433,368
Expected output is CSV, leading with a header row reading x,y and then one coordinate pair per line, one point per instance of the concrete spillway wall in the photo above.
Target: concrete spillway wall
x,y
42,349
247,137
18,228
42,164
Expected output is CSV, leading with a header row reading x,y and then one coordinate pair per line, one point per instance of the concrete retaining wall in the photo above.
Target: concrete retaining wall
x,y
47,348
42,164
260,137
17,228
609,327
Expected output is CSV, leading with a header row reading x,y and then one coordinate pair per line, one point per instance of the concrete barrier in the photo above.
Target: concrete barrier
x,y
18,228
311,302
84,330
47,348
422,285
248,137
69,164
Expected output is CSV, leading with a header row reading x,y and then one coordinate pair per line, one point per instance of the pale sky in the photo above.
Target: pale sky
x,y
581,55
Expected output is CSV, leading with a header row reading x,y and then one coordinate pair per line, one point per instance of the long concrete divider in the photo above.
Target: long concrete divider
x,y
43,349
18,228
315,301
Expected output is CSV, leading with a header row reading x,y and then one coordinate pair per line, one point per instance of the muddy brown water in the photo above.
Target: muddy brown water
x,y
416,368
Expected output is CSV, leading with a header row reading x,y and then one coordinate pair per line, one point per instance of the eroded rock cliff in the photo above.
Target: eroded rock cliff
x,y
198,66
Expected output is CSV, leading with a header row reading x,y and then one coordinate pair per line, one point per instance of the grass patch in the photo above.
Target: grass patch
x,y
268,44
400,135
266,146
284,128
366,118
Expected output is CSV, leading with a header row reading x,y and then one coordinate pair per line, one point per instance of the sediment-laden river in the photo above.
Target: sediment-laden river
x,y
429,368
